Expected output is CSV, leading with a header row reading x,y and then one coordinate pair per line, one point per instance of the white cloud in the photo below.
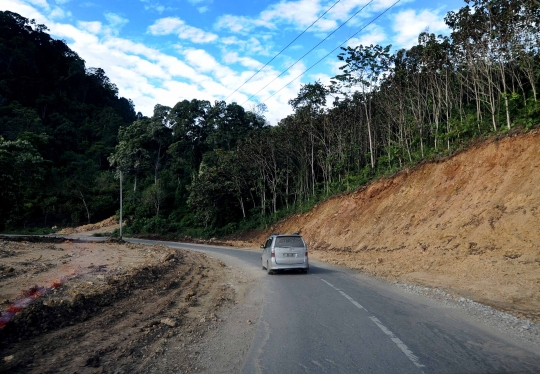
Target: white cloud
x,y
93,27
155,6
24,9
165,26
373,34
235,24
89,4
170,25
334,66
233,58
204,62
230,40
196,35
201,8
116,23
323,78
40,3
299,14
380,5
250,45
409,24
58,13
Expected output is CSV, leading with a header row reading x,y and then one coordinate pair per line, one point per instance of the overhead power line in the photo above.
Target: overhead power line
x,y
308,52
332,51
287,46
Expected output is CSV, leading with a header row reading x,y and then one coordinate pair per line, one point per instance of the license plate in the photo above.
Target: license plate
x,y
289,255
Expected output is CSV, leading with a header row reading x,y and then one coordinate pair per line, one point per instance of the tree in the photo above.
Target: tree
x,y
364,67
310,100
22,172
130,153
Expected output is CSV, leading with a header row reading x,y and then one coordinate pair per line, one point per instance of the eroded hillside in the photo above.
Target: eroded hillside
x,y
469,224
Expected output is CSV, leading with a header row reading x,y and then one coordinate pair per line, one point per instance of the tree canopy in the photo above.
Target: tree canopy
x,y
59,122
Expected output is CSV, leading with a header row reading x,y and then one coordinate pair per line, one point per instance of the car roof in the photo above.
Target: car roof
x,y
276,235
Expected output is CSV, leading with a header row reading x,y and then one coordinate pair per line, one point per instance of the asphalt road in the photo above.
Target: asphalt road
x,y
334,320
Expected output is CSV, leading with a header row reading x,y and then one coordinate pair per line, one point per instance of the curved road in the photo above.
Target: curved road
x,y
337,321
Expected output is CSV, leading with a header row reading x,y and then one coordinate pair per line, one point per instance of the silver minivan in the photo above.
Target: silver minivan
x,y
285,252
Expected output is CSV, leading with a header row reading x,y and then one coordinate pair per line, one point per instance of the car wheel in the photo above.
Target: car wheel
x,y
305,270
270,272
262,265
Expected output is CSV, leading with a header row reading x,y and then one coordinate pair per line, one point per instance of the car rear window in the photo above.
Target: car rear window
x,y
289,241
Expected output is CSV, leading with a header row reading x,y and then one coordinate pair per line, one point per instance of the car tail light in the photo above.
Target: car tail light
x,y
273,252
306,253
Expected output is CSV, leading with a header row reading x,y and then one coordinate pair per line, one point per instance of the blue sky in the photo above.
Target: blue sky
x,y
165,51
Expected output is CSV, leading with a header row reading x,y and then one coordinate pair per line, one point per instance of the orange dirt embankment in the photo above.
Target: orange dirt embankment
x,y
104,226
469,224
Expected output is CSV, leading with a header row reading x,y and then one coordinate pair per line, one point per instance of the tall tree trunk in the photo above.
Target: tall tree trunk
x,y
85,205
372,157
505,96
242,206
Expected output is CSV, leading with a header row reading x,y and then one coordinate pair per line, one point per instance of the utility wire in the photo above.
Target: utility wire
x,y
308,52
332,51
288,45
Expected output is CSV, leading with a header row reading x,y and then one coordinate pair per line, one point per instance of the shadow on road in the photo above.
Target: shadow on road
x,y
312,270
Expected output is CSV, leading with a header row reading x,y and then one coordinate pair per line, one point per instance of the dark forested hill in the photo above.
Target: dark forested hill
x,y
59,122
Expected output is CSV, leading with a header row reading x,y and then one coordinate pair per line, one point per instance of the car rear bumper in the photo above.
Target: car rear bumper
x,y
274,266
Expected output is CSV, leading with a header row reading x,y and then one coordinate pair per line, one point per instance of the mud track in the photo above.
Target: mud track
x,y
147,319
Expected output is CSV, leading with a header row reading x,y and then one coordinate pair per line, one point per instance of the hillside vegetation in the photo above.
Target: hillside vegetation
x,y
59,121
468,224
205,169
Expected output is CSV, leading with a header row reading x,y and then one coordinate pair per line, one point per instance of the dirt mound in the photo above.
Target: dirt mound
x,y
469,224
108,223
142,318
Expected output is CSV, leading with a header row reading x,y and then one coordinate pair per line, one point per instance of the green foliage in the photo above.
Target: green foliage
x,y
59,121
180,164
22,171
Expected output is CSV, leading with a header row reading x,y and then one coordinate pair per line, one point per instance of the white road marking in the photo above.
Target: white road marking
x,y
330,284
397,341
352,300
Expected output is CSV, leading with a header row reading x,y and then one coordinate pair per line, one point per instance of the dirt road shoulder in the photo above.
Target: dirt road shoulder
x,y
160,311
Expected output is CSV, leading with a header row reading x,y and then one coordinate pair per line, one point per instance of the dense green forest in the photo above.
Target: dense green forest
x,y
203,169
59,122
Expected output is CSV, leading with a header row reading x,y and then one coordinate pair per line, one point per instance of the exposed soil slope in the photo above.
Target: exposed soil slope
x,y
107,225
469,224
103,307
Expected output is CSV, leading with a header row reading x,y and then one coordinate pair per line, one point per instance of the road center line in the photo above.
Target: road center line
x,y
397,341
352,301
